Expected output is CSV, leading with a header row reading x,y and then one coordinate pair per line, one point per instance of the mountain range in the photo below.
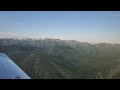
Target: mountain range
x,y
64,59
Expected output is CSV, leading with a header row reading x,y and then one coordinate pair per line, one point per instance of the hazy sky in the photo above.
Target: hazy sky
x,y
88,26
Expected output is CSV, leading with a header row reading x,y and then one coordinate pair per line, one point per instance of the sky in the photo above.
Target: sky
x,y
84,26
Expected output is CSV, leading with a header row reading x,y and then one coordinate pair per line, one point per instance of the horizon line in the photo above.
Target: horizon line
x,y
22,38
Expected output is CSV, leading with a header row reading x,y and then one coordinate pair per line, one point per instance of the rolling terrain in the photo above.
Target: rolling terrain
x,y
63,59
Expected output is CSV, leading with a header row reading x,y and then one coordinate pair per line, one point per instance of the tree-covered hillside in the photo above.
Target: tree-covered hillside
x,y
63,59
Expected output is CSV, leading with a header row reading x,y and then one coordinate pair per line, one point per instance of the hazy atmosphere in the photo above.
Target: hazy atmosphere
x,y
60,44
85,26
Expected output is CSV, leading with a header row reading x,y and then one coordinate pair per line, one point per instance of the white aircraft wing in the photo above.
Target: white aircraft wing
x,y
9,70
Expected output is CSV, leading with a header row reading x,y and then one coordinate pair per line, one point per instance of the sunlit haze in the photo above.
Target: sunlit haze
x,y
84,26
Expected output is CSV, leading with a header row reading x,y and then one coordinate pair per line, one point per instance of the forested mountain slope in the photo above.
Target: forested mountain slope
x,y
63,59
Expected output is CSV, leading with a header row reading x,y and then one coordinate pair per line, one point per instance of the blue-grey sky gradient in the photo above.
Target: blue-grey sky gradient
x,y
87,26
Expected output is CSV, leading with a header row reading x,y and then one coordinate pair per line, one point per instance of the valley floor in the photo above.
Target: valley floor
x,y
113,72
